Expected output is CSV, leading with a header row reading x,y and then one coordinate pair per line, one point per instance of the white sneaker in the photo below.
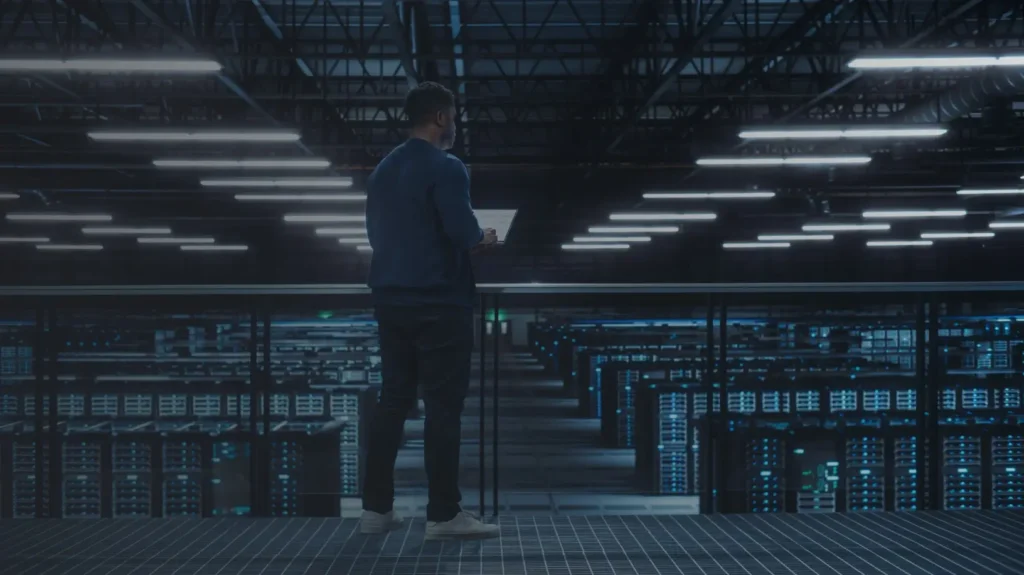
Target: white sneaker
x,y
377,523
463,526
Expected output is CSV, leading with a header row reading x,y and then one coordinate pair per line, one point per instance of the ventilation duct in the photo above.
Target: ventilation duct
x,y
966,97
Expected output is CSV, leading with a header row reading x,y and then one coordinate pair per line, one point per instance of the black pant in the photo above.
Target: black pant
x,y
428,347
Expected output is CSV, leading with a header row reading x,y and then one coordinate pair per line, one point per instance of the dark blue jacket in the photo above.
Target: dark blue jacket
x,y
421,228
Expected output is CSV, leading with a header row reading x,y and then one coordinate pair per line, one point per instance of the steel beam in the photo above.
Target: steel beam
x,y
158,20
394,21
670,76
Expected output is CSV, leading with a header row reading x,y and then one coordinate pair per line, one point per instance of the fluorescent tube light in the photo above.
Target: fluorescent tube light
x,y
300,197
175,241
795,238
8,196
763,161
911,214
740,195
754,245
353,240
214,248
991,192
1009,225
655,217
249,164
364,248
840,134
110,65
846,227
126,231
69,247
213,136
934,62
56,217
898,243
955,235
331,182
594,247
633,229
341,231
324,218
610,239
23,240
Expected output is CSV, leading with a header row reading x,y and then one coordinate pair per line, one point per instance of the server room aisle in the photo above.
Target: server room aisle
x,y
551,460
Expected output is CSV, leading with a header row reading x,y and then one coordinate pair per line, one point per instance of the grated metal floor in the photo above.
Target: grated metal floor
x,y
956,543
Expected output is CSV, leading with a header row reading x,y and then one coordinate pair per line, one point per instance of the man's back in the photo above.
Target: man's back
x,y
421,228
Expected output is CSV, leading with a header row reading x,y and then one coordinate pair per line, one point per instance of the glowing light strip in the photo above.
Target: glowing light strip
x,y
910,214
222,136
709,195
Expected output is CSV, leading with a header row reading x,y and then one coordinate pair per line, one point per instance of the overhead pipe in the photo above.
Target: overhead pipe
x,y
965,98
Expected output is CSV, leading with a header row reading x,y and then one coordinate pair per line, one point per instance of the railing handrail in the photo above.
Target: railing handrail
x,y
514,288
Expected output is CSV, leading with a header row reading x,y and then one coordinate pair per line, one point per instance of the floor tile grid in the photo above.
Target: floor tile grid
x,y
867,543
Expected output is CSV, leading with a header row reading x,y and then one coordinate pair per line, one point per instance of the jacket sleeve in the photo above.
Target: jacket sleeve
x,y
451,196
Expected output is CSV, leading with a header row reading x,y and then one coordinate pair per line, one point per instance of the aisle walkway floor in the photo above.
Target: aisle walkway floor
x,y
956,543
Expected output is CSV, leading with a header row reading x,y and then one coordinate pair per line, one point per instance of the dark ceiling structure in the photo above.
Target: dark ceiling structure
x,y
571,110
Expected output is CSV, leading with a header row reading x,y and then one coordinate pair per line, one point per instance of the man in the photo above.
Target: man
x,y
422,230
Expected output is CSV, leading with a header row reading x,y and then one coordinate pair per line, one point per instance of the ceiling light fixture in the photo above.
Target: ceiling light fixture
x,y
795,238
934,62
754,245
594,247
846,227
214,248
633,229
991,192
126,231
324,218
69,247
913,214
9,196
332,182
1010,225
840,134
955,235
110,65
709,195
353,240
300,197
23,240
610,239
899,243
654,217
364,248
175,240
55,217
341,231
215,136
251,164
764,161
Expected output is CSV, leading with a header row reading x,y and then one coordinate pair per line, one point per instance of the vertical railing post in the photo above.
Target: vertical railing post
x,y
722,476
56,471
935,382
41,353
921,408
268,385
494,415
254,401
707,458
483,401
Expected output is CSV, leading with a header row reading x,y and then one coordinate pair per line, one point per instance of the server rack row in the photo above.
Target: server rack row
x,y
169,475
871,378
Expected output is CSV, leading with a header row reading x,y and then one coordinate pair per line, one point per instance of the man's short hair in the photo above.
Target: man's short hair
x,y
423,102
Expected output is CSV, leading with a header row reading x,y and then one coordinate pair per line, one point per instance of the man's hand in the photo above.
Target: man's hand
x,y
490,239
